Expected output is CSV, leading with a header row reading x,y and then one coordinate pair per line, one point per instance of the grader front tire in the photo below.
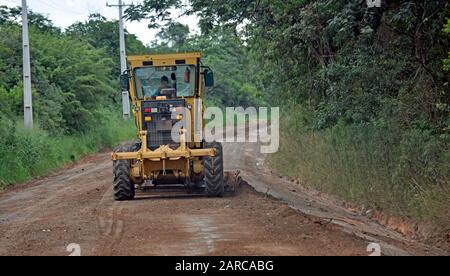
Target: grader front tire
x,y
123,188
214,182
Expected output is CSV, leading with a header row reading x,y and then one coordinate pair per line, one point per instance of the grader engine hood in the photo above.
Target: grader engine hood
x,y
158,119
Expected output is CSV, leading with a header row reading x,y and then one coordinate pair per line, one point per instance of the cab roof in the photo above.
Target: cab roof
x,y
164,59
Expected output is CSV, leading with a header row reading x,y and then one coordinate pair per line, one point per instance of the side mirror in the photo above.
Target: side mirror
x,y
209,78
124,82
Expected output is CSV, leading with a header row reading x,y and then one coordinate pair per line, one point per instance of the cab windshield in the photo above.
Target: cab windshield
x,y
170,81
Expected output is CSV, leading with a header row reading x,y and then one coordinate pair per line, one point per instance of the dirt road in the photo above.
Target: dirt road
x,y
75,205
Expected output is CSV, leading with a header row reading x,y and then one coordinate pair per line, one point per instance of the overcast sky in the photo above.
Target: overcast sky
x,y
66,12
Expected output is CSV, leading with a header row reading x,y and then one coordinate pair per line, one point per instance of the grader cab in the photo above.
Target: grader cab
x,y
167,96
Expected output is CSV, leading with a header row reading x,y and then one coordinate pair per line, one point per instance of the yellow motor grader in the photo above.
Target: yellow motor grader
x,y
167,94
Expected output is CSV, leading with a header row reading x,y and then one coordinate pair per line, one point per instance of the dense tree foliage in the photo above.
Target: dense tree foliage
x,y
74,73
104,34
447,60
345,60
174,35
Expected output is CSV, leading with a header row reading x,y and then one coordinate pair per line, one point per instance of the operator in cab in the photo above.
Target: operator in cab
x,y
164,85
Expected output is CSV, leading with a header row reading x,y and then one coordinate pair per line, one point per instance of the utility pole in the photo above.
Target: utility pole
x,y
27,99
123,58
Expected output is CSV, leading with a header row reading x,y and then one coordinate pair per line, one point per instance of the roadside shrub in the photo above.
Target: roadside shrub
x,y
30,153
378,165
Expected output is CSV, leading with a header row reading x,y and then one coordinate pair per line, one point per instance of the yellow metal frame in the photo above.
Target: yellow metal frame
x,y
164,59
163,152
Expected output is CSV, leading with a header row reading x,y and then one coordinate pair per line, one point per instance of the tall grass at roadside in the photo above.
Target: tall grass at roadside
x,y
31,153
379,165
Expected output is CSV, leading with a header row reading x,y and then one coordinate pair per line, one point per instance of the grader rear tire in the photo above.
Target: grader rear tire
x,y
214,183
123,187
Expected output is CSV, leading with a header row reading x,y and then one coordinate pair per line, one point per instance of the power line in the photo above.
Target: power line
x,y
51,5
55,6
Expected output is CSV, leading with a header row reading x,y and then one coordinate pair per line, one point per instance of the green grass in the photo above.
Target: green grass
x,y
405,173
25,154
